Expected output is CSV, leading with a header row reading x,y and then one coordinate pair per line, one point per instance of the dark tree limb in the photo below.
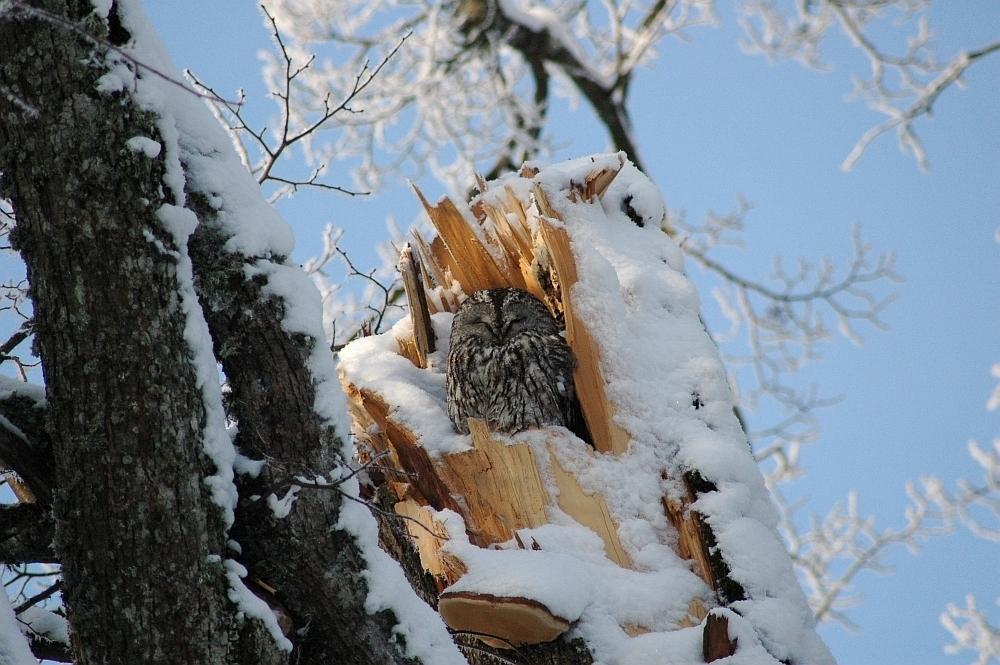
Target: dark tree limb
x,y
25,446
487,21
314,568
26,532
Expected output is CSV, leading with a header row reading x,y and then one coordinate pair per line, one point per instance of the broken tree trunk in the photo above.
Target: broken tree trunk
x,y
483,510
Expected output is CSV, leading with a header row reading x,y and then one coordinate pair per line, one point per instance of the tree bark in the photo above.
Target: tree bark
x,y
137,531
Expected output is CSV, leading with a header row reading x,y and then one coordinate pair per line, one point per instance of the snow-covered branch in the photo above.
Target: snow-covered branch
x,y
470,89
972,630
776,327
976,505
845,543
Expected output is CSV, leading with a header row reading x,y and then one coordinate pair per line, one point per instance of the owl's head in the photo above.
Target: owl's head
x,y
498,316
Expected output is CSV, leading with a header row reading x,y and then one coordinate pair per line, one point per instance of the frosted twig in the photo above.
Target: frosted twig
x,y
971,630
977,506
843,544
290,135
902,87
775,330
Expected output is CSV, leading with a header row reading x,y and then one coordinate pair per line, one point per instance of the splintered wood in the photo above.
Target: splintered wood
x,y
496,486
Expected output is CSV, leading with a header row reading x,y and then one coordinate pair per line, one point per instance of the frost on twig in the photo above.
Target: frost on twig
x,y
838,547
776,326
349,313
971,630
902,86
976,506
470,89
297,122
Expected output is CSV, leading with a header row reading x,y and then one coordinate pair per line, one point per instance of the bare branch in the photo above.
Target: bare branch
x,y
902,87
842,545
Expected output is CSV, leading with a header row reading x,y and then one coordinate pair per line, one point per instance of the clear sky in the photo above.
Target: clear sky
x,y
715,124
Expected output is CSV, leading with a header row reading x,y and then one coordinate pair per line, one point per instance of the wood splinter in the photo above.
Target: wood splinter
x,y
715,642
413,283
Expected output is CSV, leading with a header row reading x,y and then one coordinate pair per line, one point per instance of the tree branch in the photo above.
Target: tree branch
x,y
26,532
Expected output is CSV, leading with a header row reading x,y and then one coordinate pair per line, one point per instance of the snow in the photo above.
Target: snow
x,y
102,7
538,18
44,624
250,605
10,388
283,505
570,554
669,387
14,648
144,145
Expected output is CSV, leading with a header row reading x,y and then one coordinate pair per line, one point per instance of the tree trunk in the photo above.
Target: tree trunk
x,y
141,541
138,534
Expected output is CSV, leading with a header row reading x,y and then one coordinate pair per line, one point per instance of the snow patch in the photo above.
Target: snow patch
x,y
283,506
251,606
10,388
14,649
144,145
102,7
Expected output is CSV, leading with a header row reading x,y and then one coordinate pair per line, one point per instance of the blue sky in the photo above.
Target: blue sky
x,y
715,124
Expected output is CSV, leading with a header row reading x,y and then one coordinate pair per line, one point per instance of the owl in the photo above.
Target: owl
x,y
508,364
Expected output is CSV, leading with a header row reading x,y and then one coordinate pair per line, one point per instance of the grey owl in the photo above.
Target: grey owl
x,y
508,364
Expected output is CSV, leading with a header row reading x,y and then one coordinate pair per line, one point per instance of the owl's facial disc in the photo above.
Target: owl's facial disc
x,y
490,328
512,327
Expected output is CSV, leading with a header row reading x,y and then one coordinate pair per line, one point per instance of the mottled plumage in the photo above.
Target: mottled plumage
x,y
508,364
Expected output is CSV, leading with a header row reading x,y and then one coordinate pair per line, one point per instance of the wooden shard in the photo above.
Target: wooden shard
x,y
716,643
469,261
606,435
690,545
404,451
413,283
428,536
589,510
500,483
